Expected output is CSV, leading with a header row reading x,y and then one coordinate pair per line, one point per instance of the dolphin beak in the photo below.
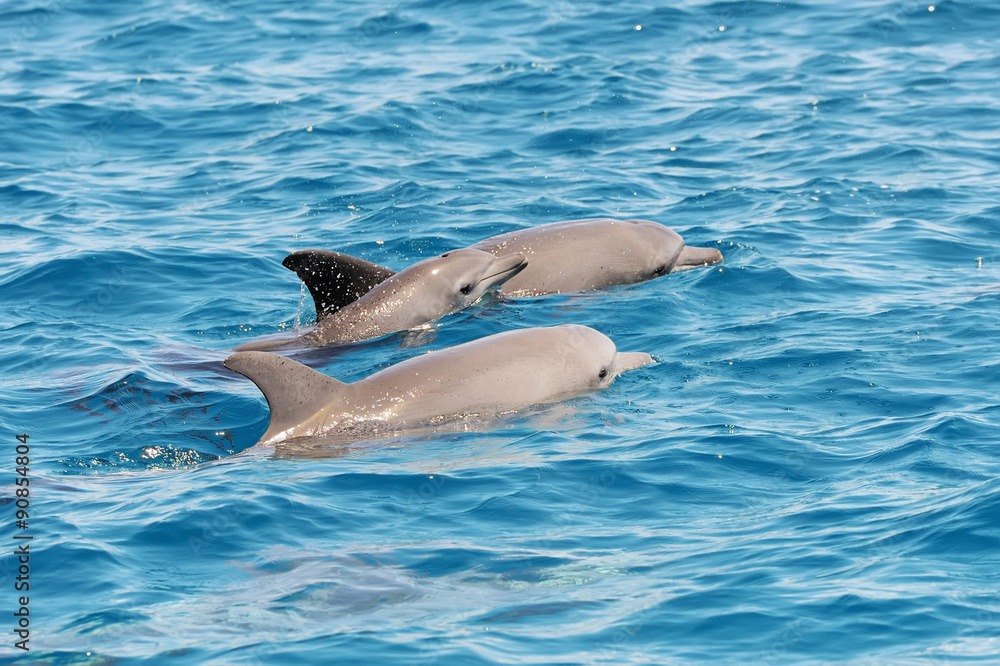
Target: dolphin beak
x,y
504,268
625,361
693,257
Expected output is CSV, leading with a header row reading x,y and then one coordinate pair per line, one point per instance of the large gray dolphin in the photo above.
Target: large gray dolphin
x,y
486,377
578,255
423,293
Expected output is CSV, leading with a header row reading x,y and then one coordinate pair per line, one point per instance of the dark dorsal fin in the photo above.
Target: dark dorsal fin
x,y
293,391
335,279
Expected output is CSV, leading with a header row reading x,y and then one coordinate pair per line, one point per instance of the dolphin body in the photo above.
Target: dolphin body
x,y
418,295
578,255
487,377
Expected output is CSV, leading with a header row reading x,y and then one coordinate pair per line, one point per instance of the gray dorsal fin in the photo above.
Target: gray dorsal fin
x,y
335,279
293,391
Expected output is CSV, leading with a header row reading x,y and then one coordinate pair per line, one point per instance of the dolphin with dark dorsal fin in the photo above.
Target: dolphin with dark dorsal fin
x,y
419,295
578,255
490,376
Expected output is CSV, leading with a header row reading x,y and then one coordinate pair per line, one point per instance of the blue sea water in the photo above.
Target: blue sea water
x,y
810,473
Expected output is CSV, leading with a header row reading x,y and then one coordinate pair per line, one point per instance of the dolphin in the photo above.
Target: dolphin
x,y
418,295
487,377
578,255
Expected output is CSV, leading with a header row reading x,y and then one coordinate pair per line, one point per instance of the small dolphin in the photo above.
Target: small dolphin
x,y
578,255
486,377
418,295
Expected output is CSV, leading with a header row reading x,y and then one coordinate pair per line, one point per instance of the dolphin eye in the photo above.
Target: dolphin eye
x,y
466,289
603,373
445,255
660,270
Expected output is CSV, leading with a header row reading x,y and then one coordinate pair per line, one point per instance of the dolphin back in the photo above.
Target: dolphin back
x,y
293,391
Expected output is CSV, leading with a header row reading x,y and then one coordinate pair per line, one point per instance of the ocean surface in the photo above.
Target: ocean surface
x,y
810,473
